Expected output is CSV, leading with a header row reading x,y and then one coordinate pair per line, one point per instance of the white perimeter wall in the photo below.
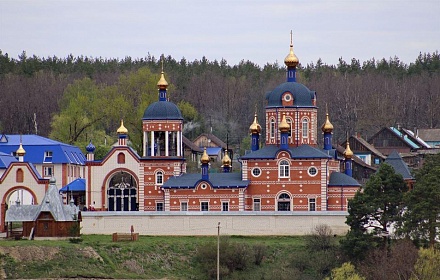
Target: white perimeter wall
x,y
205,223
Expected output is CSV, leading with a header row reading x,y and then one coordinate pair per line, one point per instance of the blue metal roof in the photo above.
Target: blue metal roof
x,y
162,110
338,179
217,180
405,138
302,96
300,152
6,159
400,167
213,151
78,185
36,147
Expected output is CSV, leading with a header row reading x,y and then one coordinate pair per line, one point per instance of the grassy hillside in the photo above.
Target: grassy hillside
x,y
151,257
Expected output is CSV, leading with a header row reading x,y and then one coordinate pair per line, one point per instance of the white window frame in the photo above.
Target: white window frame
x,y
223,206
184,206
284,169
312,168
272,128
312,201
159,178
203,203
305,128
46,174
256,170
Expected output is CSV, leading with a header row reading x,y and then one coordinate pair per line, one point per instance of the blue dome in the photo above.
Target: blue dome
x,y
90,147
162,110
302,96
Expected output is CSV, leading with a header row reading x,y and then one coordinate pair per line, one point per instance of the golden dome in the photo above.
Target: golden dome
x,y
226,159
348,153
122,129
327,126
162,84
205,157
291,59
255,126
284,126
20,151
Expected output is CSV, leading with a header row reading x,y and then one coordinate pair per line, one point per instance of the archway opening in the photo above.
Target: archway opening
x,y
283,202
122,193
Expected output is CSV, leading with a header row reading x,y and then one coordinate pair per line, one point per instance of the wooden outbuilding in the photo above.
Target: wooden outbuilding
x,y
51,218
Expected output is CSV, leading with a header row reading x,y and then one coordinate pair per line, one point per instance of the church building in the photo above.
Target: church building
x,y
289,173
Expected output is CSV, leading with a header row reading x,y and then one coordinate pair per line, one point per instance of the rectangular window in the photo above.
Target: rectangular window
x,y
204,206
225,206
48,171
159,206
312,204
257,204
272,129
47,156
183,206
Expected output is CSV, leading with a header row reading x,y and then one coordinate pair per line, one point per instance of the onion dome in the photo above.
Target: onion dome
x,y
327,126
226,161
291,59
162,84
205,158
348,154
20,151
255,127
52,180
122,129
90,148
284,126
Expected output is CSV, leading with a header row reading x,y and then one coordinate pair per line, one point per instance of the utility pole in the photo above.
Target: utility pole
x,y
218,251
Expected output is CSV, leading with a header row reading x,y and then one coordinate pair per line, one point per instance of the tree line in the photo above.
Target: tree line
x,y
360,97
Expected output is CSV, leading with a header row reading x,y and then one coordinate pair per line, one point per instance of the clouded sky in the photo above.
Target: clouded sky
x,y
253,30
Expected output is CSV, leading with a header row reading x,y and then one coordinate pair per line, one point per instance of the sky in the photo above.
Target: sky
x,y
258,31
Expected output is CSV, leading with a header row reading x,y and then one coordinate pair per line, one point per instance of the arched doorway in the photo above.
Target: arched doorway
x,y
122,193
20,196
283,202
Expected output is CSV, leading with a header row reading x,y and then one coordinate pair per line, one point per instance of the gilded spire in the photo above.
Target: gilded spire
x,y
122,129
327,126
20,151
205,157
162,83
255,127
291,59
284,126
226,160
348,154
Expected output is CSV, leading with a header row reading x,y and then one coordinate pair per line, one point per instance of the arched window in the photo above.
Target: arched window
x,y
121,158
159,178
284,168
305,128
283,202
290,122
272,128
19,176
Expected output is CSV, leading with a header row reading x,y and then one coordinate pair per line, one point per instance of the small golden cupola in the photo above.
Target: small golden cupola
x,y
291,59
122,129
284,126
226,161
162,83
20,151
205,158
255,127
327,126
348,154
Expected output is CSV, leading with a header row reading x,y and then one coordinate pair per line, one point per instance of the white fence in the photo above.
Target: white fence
x,y
205,223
